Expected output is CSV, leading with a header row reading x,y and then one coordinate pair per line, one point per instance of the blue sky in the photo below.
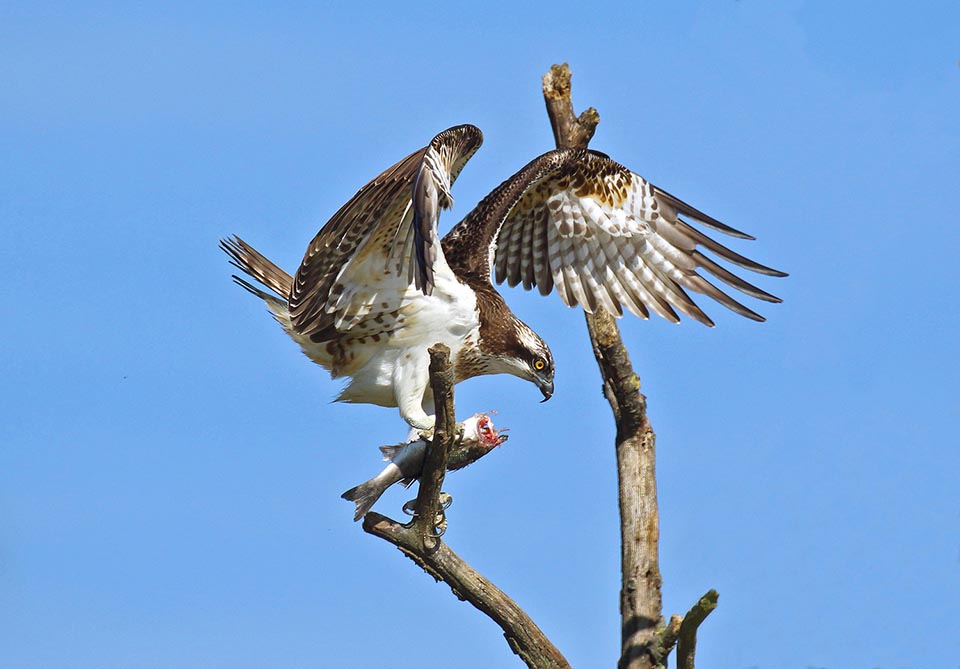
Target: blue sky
x,y
170,464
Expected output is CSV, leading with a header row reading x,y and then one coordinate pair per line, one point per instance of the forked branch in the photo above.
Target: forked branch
x,y
640,601
419,539
645,640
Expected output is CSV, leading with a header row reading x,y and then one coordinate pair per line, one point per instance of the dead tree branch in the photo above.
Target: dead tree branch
x,y
687,640
419,540
640,600
435,462
668,639
569,130
645,640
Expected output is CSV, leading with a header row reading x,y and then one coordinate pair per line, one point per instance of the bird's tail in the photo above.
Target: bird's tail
x,y
254,264
365,495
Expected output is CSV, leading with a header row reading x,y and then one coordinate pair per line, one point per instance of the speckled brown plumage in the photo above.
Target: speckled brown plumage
x,y
579,223
376,287
377,220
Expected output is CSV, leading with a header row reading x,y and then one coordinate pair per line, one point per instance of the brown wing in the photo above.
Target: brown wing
x,y
580,223
370,241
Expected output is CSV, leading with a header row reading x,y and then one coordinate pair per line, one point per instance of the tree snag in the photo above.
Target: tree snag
x,y
642,631
645,640
420,541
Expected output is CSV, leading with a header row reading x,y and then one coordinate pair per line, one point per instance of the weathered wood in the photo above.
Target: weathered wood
x,y
687,639
645,640
641,619
435,462
671,633
641,605
521,633
420,541
569,130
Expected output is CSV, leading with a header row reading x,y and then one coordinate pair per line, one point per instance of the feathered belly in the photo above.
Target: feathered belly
x,y
391,344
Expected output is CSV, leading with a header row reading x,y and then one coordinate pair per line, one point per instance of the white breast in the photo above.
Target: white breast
x,y
385,354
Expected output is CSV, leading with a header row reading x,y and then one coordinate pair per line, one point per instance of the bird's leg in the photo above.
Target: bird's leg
x,y
421,432
419,421
429,411
411,387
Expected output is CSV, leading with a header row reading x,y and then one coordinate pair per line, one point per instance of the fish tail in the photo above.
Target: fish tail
x,y
365,496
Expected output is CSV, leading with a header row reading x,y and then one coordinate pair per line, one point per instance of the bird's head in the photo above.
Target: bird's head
x,y
507,345
530,358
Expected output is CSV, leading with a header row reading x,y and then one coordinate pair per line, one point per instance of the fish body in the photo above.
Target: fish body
x,y
405,461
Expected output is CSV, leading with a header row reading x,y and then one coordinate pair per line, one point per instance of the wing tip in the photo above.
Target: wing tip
x,y
714,224
230,245
747,312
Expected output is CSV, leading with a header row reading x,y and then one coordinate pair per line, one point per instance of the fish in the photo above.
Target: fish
x,y
406,461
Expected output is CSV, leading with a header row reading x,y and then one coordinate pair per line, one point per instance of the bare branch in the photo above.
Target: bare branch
x,y
435,462
523,635
687,641
419,541
640,600
669,636
569,130
645,640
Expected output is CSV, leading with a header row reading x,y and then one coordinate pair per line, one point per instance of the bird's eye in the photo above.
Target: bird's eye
x,y
539,364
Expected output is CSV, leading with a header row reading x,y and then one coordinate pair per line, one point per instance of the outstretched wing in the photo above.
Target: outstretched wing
x,y
601,235
381,239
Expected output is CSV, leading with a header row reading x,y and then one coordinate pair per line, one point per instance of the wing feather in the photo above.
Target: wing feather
x,y
515,251
608,287
542,276
633,301
556,263
732,279
383,239
602,236
667,280
526,259
568,263
685,209
646,289
726,253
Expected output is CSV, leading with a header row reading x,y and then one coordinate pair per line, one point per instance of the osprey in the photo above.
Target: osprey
x,y
377,286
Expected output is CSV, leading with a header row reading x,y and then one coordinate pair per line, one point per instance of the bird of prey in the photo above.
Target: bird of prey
x,y
378,286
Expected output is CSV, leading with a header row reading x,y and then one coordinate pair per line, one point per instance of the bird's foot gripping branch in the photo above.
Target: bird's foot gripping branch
x,y
440,514
420,541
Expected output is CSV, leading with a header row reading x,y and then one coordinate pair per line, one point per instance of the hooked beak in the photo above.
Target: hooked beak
x,y
546,387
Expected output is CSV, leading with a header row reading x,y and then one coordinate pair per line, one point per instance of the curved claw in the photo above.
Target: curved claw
x,y
439,519
440,525
410,508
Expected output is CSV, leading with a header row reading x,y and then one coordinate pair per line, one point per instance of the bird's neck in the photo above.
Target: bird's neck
x,y
498,333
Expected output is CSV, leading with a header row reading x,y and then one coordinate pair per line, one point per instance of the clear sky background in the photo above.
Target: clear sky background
x,y
170,464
